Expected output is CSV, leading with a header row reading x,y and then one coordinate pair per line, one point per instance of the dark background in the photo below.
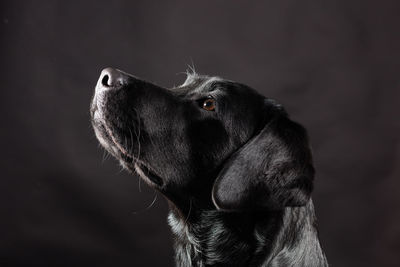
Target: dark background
x,y
333,64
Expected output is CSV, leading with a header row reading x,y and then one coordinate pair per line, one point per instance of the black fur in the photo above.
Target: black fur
x,y
238,178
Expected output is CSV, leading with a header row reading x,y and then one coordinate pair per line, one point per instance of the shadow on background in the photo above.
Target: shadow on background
x,y
334,66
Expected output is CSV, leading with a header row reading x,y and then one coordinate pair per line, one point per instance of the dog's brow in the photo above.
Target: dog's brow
x,y
196,84
191,77
200,89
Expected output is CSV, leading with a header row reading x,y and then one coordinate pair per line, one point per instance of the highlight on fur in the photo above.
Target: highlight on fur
x,y
238,177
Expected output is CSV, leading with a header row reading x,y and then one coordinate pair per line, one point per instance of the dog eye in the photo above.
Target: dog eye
x,y
209,104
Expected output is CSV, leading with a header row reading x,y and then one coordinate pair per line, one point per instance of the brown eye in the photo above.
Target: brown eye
x,y
209,104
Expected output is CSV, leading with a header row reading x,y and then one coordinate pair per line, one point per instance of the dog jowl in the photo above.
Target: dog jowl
x,y
236,171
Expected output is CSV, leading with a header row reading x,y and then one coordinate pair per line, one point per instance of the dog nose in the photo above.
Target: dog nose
x,y
112,78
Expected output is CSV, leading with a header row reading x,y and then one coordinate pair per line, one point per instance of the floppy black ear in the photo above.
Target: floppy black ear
x,y
272,171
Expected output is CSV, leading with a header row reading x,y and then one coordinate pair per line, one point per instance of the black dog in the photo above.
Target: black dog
x,y
236,171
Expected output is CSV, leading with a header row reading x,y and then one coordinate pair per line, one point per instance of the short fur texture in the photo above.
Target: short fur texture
x,y
238,178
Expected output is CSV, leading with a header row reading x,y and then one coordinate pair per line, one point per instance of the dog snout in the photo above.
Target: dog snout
x,y
111,78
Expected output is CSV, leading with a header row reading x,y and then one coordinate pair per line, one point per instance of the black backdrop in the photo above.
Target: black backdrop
x,y
334,65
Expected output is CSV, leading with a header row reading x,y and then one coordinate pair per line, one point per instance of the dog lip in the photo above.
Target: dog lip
x,y
147,174
141,168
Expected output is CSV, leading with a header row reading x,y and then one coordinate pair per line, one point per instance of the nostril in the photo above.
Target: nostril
x,y
112,79
104,81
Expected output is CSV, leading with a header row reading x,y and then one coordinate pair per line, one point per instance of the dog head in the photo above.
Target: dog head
x,y
212,141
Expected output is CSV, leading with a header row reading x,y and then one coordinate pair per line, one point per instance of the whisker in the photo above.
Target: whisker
x,y
138,136
104,156
149,206
130,133
190,209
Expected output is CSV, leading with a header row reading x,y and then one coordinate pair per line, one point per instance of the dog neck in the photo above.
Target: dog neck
x,y
281,238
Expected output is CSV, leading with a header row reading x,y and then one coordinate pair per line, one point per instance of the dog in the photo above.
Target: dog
x,y
236,171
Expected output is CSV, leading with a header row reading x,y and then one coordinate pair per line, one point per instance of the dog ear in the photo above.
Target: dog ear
x,y
271,171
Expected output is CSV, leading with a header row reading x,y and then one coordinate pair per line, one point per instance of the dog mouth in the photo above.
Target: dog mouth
x,y
105,134
132,163
147,174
